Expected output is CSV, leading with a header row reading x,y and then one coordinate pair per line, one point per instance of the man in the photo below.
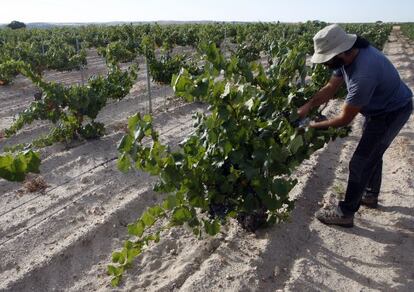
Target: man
x,y
375,90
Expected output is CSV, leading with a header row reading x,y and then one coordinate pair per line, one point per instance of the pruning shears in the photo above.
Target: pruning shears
x,y
303,123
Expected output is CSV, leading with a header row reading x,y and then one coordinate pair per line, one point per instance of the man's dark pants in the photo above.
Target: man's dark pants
x,y
365,167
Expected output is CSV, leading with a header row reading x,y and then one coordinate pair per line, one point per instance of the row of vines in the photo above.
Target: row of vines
x,y
238,161
408,30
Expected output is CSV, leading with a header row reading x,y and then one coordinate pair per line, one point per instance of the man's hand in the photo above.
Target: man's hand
x,y
347,115
304,110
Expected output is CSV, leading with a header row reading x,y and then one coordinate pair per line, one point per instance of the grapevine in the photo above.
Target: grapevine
x,y
239,159
73,109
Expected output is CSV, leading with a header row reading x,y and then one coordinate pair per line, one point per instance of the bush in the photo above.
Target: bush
x,y
16,24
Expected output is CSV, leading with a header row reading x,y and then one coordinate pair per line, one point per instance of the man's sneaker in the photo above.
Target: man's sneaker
x,y
333,215
369,200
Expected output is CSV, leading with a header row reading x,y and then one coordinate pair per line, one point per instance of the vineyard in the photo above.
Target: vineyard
x,y
135,150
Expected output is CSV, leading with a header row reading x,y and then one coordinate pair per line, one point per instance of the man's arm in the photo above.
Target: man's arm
x,y
347,115
322,96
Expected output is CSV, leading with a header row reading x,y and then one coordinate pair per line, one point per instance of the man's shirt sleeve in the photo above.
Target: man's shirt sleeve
x,y
360,91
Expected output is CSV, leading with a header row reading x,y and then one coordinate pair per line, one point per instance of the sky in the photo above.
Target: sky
x,y
217,10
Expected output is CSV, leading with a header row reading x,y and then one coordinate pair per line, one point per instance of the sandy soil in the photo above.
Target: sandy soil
x,y
61,238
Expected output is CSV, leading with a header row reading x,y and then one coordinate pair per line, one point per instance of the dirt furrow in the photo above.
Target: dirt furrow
x,y
91,195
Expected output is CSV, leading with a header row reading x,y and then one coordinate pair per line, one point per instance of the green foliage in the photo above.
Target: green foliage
x,y
249,52
408,30
163,69
57,48
52,54
14,166
117,52
238,161
239,158
62,57
376,33
69,107
92,130
7,72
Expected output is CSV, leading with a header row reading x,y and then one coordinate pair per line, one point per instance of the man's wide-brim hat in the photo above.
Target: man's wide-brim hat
x,y
331,41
